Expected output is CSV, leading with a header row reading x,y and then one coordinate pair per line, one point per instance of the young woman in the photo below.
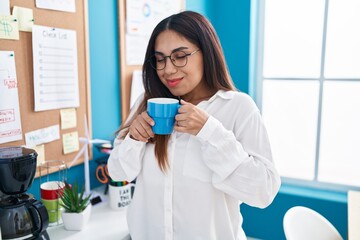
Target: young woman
x,y
190,184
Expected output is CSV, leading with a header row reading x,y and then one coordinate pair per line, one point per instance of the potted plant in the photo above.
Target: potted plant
x,y
77,207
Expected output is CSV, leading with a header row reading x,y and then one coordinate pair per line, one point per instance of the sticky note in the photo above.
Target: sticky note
x,y
40,150
70,142
9,27
68,118
25,18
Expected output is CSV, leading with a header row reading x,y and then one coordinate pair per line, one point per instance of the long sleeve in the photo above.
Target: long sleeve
x,y
242,166
240,158
125,160
124,163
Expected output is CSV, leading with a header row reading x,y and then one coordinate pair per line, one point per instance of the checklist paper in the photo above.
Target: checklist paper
x,y
55,68
353,214
10,122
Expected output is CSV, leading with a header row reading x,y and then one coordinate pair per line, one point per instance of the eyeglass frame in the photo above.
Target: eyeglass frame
x,y
169,56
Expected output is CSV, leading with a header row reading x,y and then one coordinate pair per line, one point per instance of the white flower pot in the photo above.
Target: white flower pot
x,y
76,221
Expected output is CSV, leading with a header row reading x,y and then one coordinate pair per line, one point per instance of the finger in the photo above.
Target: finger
x,y
179,128
147,118
181,123
137,136
183,102
147,131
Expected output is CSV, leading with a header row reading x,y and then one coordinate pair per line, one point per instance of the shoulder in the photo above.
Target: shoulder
x,y
238,100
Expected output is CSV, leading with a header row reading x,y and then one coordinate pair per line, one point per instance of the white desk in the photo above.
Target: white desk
x,y
104,223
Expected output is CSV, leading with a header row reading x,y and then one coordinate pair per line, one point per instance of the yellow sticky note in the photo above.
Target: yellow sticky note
x,y
68,118
25,18
40,150
70,142
9,27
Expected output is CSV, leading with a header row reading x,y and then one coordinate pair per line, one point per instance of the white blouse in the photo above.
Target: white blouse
x,y
228,162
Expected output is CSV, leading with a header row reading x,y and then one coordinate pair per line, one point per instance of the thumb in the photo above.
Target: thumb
x,y
183,102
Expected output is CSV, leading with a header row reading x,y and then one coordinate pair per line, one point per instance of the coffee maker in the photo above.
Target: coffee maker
x,y
21,215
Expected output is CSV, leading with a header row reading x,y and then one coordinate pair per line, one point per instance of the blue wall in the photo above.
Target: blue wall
x,y
231,20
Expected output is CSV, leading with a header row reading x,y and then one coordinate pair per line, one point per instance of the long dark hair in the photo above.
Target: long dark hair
x,y
199,31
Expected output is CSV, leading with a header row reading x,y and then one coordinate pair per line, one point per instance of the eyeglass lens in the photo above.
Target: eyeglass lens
x,y
178,59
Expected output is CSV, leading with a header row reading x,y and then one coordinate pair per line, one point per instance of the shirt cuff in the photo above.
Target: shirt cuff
x,y
208,129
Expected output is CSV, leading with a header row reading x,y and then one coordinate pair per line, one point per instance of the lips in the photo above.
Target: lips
x,y
173,82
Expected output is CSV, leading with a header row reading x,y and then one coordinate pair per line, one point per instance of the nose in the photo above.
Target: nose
x,y
169,66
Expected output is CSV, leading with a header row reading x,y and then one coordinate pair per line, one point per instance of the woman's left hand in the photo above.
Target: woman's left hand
x,y
190,118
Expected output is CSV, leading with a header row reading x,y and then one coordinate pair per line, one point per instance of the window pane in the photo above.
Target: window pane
x,y
342,58
340,133
290,113
293,38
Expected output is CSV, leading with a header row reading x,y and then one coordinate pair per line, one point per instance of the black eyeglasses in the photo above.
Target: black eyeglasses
x,y
178,59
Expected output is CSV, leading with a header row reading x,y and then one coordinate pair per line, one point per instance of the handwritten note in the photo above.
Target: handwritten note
x,y
9,27
10,124
68,118
43,135
56,82
70,142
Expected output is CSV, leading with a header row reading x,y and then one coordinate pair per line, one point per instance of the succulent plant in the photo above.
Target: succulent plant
x,y
73,200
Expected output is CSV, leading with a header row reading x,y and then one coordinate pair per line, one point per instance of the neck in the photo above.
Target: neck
x,y
196,99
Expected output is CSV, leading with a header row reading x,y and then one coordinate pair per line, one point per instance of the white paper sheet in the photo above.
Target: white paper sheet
x,y
10,121
59,5
43,135
353,215
4,7
137,86
141,18
55,68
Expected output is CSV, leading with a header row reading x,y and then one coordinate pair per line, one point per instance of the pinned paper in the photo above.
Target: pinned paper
x,y
56,83
70,142
40,150
25,18
60,5
9,27
43,135
10,121
137,87
353,214
68,118
4,7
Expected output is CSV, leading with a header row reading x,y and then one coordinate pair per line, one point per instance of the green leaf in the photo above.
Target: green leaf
x,y
72,200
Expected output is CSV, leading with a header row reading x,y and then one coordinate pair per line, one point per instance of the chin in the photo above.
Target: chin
x,y
175,92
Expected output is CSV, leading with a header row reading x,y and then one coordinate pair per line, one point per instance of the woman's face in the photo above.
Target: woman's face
x,y
186,82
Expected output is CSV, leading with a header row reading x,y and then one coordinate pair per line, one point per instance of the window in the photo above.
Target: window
x,y
305,67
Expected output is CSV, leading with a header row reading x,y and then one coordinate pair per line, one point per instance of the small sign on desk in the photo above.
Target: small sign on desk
x,y
354,214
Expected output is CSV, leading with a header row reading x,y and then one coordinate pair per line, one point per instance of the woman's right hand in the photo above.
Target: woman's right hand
x,y
140,128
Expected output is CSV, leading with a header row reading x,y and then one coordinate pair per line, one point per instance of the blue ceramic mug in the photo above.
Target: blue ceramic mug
x,y
163,111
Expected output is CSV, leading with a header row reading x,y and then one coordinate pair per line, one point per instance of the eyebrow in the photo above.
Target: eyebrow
x,y
175,50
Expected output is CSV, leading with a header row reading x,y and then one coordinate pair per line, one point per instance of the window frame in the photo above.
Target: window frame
x,y
257,27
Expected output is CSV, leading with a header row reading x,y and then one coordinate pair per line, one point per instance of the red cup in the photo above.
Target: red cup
x,y
51,190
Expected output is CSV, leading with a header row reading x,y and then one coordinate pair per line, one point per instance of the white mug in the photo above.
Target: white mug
x,y
120,196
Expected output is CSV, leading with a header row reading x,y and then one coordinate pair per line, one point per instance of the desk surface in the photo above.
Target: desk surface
x,y
104,223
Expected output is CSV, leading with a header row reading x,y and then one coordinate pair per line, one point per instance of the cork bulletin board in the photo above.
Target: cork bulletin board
x,y
127,69
31,120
